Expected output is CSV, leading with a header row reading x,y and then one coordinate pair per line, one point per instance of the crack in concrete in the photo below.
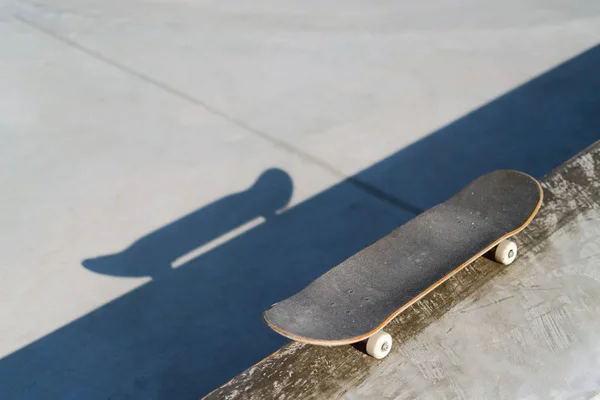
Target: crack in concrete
x,y
281,144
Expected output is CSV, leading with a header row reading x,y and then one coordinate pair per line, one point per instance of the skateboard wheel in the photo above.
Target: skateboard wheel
x,y
379,345
506,252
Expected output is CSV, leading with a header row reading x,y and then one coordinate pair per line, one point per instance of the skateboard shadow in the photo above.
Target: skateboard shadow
x,y
154,254
193,327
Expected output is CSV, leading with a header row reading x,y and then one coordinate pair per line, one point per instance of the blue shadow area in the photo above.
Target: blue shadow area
x,y
194,327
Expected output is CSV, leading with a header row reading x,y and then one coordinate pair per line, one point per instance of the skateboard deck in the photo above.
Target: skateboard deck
x,y
358,297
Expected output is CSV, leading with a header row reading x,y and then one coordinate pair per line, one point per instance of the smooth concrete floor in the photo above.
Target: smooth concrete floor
x,y
172,168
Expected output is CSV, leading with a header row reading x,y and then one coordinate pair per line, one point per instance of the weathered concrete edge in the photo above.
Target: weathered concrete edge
x,y
299,370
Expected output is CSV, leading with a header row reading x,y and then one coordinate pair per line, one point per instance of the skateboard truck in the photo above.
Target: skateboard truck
x,y
379,344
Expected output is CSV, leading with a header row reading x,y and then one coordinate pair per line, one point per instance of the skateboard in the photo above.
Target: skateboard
x,y
356,299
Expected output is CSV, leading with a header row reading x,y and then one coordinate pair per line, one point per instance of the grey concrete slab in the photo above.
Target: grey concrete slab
x,y
531,333
529,330
347,83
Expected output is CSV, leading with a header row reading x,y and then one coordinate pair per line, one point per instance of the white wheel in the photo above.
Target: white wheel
x,y
506,252
379,345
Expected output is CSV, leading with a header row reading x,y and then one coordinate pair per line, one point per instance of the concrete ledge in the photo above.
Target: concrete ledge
x,y
489,330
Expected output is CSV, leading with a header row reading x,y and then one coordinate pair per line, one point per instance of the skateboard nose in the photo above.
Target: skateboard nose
x,y
274,188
